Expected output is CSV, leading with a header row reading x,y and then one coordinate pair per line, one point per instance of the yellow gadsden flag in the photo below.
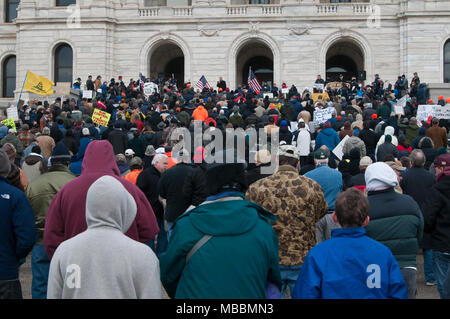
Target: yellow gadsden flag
x,y
37,84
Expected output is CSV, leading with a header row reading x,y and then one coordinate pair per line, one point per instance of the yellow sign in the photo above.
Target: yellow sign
x,y
10,122
100,117
38,84
320,96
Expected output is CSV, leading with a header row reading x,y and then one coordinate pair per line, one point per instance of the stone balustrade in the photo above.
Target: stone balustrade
x,y
185,11
149,12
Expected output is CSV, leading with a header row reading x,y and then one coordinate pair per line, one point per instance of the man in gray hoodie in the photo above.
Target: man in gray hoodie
x,y
102,262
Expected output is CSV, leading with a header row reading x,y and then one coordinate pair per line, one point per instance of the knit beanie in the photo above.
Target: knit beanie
x,y
380,176
60,154
388,138
5,165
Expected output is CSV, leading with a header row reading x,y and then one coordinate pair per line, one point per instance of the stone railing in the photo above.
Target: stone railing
x,y
344,8
362,8
185,11
269,10
149,12
327,9
237,10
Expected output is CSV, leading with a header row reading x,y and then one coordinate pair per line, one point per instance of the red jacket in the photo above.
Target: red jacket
x,y
66,215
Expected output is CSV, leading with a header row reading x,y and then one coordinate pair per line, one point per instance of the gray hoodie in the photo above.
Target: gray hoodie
x,y
102,262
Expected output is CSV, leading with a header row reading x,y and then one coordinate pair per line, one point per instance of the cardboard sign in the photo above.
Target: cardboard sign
x,y
323,115
11,113
398,109
10,122
315,96
441,112
338,149
101,117
87,94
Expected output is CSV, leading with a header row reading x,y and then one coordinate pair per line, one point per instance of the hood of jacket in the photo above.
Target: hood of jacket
x,y
444,187
84,142
389,130
100,159
33,159
328,131
228,218
109,204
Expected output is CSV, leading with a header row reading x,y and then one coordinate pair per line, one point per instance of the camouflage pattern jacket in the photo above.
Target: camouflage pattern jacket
x,y
299,203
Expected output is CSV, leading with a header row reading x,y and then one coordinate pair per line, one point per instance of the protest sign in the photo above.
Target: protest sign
x,y
316,96
322,115
87,94
270,95
11,113
441,112
293,127
285,91
338,149
398,109
10,122
319,86
100,117
402,101
150,88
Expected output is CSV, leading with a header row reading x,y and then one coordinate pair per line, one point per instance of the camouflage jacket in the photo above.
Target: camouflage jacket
x,y
299,203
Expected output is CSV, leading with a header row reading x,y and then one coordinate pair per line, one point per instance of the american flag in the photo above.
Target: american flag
x,y
253,81
202,83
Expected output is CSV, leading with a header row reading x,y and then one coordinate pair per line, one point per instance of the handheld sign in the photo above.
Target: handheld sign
x,y
11,113
441,112
338,150
10,122
285,91
322,115
101,117
87,94
398,109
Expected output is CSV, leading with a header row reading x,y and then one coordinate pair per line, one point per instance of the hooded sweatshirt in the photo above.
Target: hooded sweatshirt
x,y
132,268
66,215
77,161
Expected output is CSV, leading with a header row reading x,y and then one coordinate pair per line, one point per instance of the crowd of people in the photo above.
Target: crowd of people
x,y
117,212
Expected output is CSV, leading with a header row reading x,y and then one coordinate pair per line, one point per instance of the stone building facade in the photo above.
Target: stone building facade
x,y
289,41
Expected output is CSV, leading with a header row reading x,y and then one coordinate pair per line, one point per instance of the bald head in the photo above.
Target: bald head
x,y
417,158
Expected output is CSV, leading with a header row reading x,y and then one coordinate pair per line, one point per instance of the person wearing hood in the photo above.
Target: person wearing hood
x,y
347,130
387,148
328,137
34,164
40,193
422,134
427,146
77,161
395,220
200,113
106,263
436,210
358,124
354,141
17,232
389,130
66,216
224,248
284,133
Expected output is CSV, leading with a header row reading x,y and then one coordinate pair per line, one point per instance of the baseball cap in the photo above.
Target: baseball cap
x,y
129,152
395,166
289,151
320,154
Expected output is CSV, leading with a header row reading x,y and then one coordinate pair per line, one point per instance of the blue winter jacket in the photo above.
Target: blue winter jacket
x,y
328,137
350,265
17,229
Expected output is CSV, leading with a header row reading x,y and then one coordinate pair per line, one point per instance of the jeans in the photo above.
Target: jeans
x,y
40,268
441,267
410,277
428,265
161,240
289,275
10,289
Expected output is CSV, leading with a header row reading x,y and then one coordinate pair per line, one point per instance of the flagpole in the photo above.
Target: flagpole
x,y
20,96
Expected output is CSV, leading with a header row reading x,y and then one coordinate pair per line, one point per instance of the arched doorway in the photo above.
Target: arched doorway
x,y
9,76
447,61
167,60
257,55
63,63
344,57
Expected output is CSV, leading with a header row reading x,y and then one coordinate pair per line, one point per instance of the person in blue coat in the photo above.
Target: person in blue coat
x,y
328,136
350,265
17,232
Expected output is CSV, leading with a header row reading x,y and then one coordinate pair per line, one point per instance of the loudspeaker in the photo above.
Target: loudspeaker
x,y
361,75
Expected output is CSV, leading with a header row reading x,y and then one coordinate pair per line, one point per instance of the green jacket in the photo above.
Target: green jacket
x,y
42,189
236,263
411,131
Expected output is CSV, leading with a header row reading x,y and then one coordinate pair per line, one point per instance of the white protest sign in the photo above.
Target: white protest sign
x,y
285,91
322,115
150,88
441,112
398,109
12,113
270,95
402,101
318,86
87,94
293,127
338,149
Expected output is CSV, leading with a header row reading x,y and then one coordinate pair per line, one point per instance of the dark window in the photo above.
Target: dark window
x,y
11,10
447,62
63,63
9,76
259,1
65,3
